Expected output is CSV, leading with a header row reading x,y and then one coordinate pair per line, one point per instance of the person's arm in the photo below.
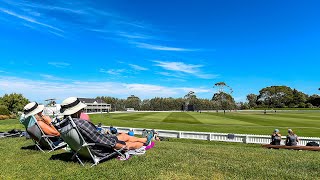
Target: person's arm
x,y
47,119
297,138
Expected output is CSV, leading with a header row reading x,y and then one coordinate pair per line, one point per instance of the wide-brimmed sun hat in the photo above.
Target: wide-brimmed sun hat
x,y
71,105
32,109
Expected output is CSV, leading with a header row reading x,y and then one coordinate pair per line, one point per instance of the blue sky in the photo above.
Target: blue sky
x,y
56,49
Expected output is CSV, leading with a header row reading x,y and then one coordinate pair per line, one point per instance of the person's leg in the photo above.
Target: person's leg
x,y
127,138
134,145
119,146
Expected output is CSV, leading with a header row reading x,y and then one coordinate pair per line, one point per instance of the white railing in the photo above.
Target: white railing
x,y
211,136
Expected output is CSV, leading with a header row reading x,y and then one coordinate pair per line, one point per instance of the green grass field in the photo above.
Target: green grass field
x,y
177,158
304,123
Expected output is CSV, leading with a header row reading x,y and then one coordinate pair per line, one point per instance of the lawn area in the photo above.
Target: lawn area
x,y
304,123
177,158
173,159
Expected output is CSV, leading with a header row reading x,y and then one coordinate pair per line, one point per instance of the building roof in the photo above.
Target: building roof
x,y
91,100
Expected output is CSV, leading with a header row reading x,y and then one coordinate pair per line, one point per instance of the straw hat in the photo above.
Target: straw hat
x,y
71,105
32,109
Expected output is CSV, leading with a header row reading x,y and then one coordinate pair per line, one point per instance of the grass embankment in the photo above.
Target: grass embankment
x,y
173,159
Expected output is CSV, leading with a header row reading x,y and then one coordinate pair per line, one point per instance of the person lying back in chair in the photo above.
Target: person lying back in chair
x,y
73,107
45,122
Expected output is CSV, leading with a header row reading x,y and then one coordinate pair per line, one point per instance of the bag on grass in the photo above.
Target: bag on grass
x,y
312,144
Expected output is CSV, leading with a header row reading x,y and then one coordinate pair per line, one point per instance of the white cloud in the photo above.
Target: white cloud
x,y
57,34
133,35
41,89
178,66
29,19
51,77
192,69
137,67
177,75
159,47
59,64
112,71
88,18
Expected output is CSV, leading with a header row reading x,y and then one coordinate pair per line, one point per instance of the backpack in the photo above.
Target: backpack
x,y
312,144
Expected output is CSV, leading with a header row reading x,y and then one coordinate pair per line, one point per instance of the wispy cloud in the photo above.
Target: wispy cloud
x,y
112,71
133,35
77,18
71,18
178,66
51,77
59,64
137,67
47,7
29,19
57,34
176,75
160,47
41,89
193,69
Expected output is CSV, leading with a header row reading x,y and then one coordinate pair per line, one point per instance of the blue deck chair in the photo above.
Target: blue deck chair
x,y
82,149
41,140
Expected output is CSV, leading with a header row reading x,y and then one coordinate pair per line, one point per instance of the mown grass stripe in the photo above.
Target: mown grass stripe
x,y
181,117
265,120
132,116
297,116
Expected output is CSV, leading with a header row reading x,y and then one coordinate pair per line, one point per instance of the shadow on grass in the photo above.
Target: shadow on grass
x,y
31,147
66,157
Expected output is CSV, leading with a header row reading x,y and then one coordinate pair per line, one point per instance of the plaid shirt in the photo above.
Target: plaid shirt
x,y
91,135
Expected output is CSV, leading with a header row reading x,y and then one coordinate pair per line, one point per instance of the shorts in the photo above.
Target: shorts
x,y
117,140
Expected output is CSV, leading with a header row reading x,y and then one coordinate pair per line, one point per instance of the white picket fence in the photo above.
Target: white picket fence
x,y
211,136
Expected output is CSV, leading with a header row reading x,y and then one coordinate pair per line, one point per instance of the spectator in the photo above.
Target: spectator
x,y
73,107
292,139
44,122
276,137
85,116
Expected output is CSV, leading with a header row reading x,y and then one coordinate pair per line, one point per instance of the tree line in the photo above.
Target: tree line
x,y
268,97
282,97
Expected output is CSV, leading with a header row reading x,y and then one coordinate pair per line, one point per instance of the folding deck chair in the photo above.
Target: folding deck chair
x,y
72,136
42,140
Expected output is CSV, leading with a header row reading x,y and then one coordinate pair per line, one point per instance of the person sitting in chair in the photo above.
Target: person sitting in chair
x,y
45,122
72,107
292,139
276,137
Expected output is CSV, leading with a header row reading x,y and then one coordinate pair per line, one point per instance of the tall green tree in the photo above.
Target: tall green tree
x,y
223,98
224,101
314,100
14,102
133,102
252,100
299,99
275,96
